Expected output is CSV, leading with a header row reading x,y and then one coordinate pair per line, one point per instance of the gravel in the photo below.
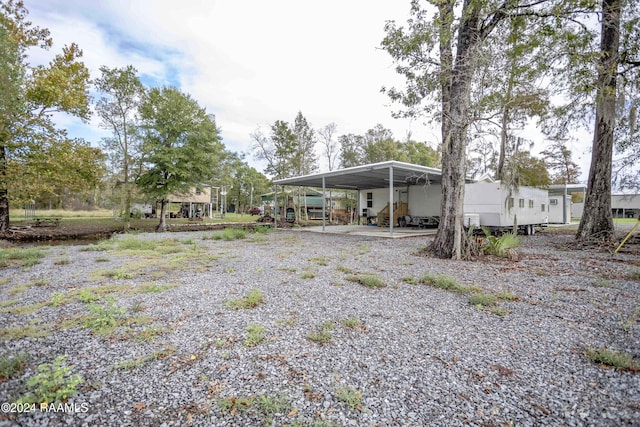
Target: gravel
x,y
418,356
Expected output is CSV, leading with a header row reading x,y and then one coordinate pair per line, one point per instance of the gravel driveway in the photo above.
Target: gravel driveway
x,y
320,349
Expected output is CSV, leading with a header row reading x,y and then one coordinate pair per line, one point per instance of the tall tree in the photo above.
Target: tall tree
x,y
597,218
440,55
276,149
558,158
304,157
526,170
351,150
30,95
450,74
330,148
181,145
58,167
117,108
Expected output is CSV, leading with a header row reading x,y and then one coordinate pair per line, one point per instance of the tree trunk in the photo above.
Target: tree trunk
x,y
4,192
456,100
504,134
162,226
597,220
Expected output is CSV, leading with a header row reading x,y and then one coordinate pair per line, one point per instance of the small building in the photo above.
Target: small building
x,y
566,201
199,202
625,205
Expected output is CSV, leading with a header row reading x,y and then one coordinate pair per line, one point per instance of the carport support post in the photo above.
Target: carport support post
x,y
324,205
391,201
564,206
275,206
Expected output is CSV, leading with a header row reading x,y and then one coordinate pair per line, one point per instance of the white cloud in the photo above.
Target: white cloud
x,y
249,62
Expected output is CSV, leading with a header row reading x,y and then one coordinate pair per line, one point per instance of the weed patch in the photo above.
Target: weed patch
x,y
11,367
323,335
20,257
410,280
619,360
308,275
141,361
255,335
24,309
251,300
483,300
443,282
351,397
229,234
367,280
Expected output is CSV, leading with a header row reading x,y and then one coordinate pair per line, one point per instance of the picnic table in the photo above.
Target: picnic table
x,y
46,221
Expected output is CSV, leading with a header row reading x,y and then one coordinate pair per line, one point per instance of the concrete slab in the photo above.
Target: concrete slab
x,y
365,230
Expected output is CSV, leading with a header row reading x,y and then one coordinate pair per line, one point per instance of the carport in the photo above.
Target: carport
x,y
376,175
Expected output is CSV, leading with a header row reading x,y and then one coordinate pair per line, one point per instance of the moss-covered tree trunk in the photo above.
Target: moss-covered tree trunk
x,y
597,219
456,103
4,193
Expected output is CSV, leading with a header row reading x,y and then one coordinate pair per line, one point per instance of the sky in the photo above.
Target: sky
x,y
249,62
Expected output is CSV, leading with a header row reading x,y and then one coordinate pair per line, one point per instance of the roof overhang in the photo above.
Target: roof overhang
x,y
366,177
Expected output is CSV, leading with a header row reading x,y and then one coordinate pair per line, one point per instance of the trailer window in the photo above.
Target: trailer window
x,y
553,202
542,208
369,200
510,202
521,203
530,204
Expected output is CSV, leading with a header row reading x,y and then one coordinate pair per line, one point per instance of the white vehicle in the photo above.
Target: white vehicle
x,y
493,206
144,210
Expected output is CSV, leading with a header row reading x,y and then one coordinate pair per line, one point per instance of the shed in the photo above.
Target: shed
x,y
381,184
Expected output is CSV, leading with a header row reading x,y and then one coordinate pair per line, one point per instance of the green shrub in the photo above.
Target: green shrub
x,y
501,246
104,317
53,383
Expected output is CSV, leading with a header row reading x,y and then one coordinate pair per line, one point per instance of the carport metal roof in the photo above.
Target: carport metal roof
x,y
375,175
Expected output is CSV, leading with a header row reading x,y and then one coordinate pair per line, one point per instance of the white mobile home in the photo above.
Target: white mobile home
x,y
497,207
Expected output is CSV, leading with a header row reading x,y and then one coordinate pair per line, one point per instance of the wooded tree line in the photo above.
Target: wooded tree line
x,y
486,67
286,157
162,141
